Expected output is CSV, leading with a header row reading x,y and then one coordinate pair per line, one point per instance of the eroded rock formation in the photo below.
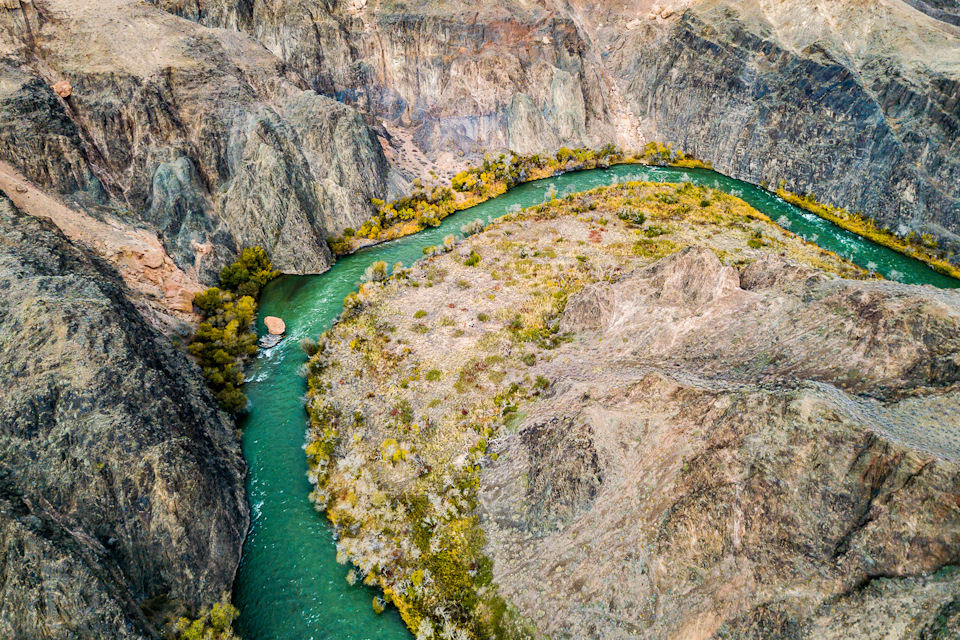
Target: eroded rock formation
x,y
121,482
856,103
744,492
200,133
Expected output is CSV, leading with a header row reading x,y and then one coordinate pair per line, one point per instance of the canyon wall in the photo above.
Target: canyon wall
x,y
199,134
857,104
121,482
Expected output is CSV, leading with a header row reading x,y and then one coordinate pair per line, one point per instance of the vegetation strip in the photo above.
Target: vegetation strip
x,y
920,247
226,337
427,206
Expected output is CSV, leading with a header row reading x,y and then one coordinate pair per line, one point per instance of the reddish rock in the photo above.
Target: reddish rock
x,y
63,88
275,325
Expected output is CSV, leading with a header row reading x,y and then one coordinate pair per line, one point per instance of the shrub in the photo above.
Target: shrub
x,y
213,624
253,266
482,317
433,375
376,272
309,346
420,314
668,198
628,214
529,359
339,246
472,228
472,260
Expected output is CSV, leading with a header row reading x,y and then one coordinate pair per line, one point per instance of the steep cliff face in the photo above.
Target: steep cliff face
x,y
856,103
462,77
177,130
121,483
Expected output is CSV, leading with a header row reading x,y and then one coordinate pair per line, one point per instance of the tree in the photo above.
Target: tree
x,y
253,268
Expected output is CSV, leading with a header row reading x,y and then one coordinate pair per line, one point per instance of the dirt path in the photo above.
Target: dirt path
x,y
159,287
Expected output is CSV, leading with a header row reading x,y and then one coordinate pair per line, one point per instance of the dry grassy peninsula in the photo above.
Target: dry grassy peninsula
x,y
644,411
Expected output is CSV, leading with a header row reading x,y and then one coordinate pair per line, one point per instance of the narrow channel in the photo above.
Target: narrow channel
x,y
290,586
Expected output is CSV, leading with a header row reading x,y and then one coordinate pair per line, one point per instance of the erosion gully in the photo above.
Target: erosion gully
x,y
289,585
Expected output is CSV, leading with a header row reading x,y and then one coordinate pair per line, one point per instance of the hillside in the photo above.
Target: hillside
x,y
658,415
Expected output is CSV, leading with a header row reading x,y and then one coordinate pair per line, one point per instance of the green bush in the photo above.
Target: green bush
x,y
376,272
668,198
433,375
634,216
309,346
225,338
420,314
472,260
215,623
252,268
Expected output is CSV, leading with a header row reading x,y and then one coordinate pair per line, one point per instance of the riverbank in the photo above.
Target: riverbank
x,y
448,352
427,206
290,586
922,248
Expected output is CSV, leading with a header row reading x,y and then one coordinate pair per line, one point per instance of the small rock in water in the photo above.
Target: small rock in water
x,y
275,325
270,340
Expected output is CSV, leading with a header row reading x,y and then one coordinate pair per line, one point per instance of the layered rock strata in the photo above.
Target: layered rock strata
x,y
855,103
201,134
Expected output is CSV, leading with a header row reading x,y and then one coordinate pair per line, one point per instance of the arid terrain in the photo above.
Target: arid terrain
x,y
148,142
680,424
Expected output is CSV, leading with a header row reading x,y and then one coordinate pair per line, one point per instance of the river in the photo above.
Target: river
x,y
290,586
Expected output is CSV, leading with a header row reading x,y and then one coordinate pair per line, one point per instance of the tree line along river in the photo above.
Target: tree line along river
x,y
289,586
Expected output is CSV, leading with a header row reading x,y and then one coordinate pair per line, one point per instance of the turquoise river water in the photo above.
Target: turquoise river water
x,y
290,586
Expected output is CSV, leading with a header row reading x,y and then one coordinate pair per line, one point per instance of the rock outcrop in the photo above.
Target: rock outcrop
x,y
747,490
855,103
211,138
200,133
461,77
121,482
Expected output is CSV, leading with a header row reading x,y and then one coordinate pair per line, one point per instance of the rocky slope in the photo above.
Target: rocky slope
x,y
209,138
857,103
679,427
121,484
200,134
